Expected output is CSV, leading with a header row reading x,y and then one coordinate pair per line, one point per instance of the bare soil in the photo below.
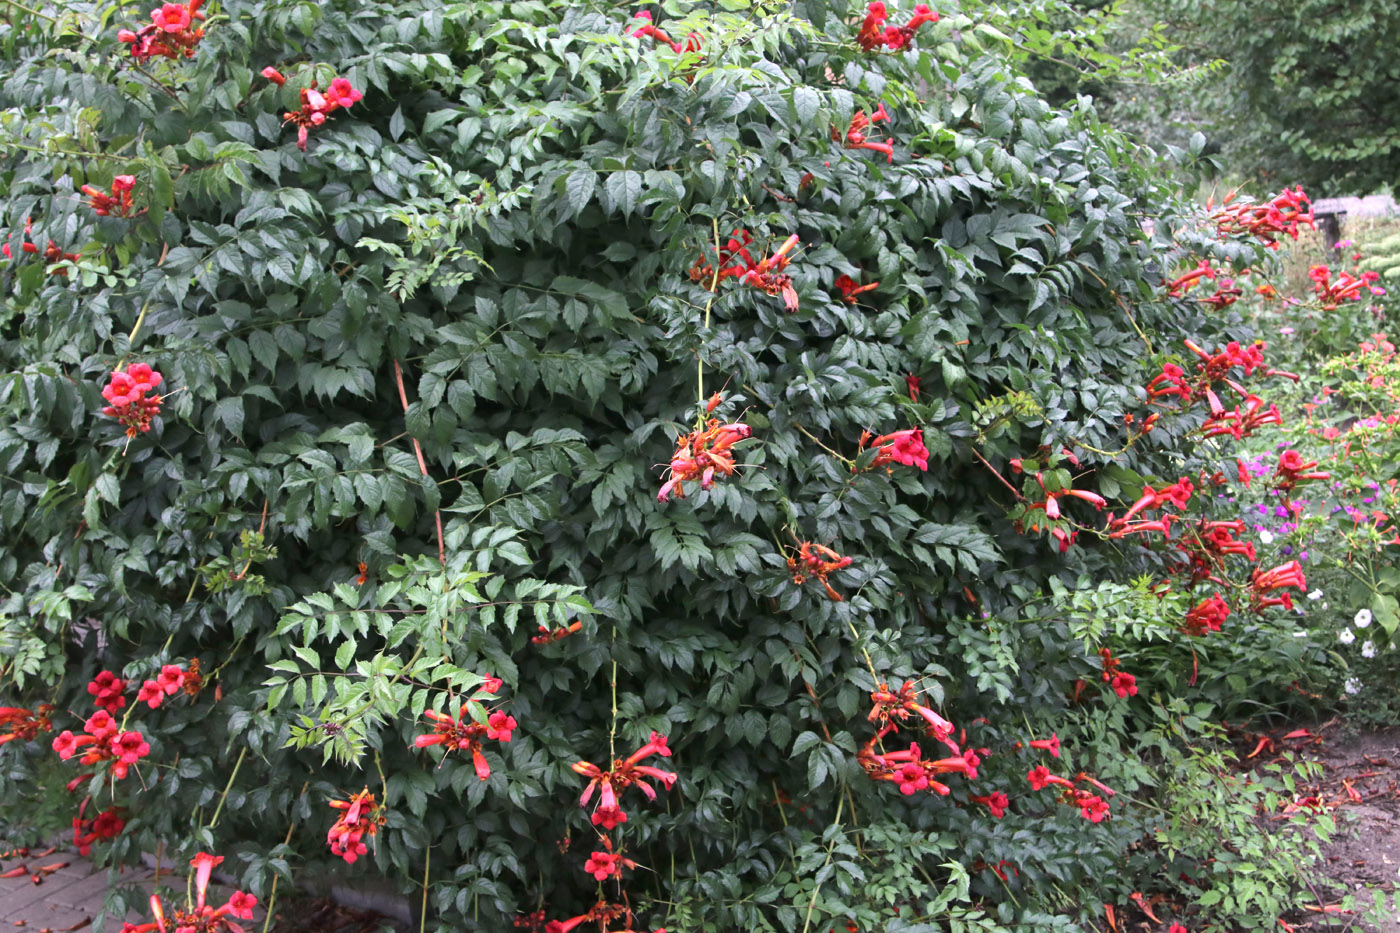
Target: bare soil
x,y
1360,787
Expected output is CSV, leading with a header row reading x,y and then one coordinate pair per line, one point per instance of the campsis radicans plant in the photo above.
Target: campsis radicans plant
x,y
316,106
855,135
1347,287
1282,577
199,917
701,454
624,773
874,34
118,202
1292,470
1122,683
131,398
1093,807
604,914
768,276
25,724
649,31
103,739
464,734
170,681
907,768
106,825
52,253
734,261
849,290
1207,616
818,562
362,816
904,447
1265,221
172,33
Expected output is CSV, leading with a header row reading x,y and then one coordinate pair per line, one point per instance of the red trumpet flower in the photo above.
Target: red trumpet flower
x,y
701,454
624,773
817,561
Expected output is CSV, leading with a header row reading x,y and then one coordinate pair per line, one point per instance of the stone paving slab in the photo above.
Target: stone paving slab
x,y
70,897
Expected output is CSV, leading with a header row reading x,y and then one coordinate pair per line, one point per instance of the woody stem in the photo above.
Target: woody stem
x,y
422,466
227,787
1014,491
709,302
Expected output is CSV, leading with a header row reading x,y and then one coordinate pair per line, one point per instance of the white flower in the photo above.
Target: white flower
x,y
1346,637
1368,650
1266,537
1363,618
1315,595
1352,686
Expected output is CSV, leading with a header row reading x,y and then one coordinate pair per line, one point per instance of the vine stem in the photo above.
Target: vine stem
x,y
423,910
286,841
31,12
811,905
1014,491
422,465
213,821
709,303
612,729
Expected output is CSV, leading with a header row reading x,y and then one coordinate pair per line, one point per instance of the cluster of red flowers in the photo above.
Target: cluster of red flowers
x,y
1123,683
126,391
199,917
464,734
170,681
907,768
874,33
648,31
362,817
1091,805
25,724
52,253
854,137
1177,494
1282,215
701,454
118,202
1347,287
768,276
734,261
818,562
607,863
905,447
601,913
104,741
106,825
315,106
1243,420
625,772
1263,582
1208,616
172,33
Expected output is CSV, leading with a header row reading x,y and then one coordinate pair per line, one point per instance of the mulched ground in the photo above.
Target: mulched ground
x,y
1360,787
319,915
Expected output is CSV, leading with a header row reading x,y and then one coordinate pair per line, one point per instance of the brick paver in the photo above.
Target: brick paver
x,y
70,894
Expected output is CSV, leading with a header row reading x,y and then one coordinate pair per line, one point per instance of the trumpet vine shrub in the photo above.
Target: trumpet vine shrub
x,y
364,487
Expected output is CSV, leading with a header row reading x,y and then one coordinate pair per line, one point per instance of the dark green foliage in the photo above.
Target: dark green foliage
x,y
510,214
1312,90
